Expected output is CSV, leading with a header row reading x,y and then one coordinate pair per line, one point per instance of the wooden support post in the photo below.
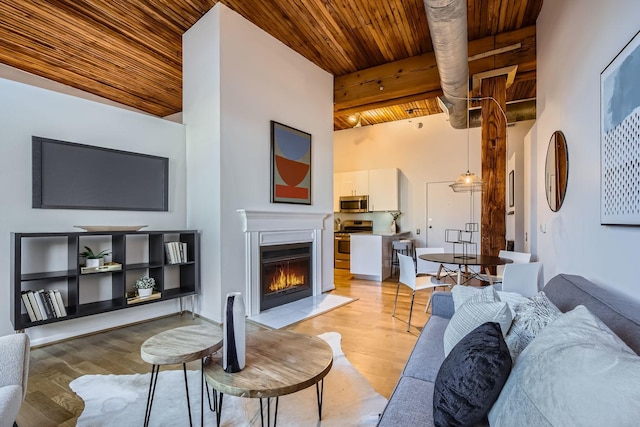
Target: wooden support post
x,y
494,165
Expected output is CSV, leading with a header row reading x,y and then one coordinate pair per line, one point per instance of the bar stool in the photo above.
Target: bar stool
x,y
404,247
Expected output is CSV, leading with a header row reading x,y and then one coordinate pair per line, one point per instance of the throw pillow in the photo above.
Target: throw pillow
x,y
531,317
574,372
462,294
472,314
471,377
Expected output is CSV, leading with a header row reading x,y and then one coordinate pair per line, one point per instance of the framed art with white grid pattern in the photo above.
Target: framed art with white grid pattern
x,y
620,138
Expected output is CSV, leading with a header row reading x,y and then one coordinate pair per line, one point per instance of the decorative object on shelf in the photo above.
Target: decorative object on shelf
x,y
136,299
108,266
290,165
619,138
93,259
233,333
145,286
110,227
394,225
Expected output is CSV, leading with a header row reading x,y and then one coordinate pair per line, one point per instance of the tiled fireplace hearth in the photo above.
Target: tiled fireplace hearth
x,y
268,229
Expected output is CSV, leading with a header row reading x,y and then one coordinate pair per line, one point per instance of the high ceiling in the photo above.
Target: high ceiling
x,y
130,51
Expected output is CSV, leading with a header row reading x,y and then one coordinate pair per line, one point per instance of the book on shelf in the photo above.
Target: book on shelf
x,y
28,306
54,302
48,304
176,252
63,309
34,305
183,251
43,304
40,302
137,299
167,253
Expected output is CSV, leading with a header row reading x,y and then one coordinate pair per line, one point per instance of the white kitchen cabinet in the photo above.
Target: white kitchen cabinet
x,y
354,183
384,190
349,184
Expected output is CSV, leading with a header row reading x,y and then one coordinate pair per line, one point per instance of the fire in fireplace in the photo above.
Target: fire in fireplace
x,y
285,274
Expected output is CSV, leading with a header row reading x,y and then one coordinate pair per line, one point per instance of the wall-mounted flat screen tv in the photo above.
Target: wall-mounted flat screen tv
x,y
76,176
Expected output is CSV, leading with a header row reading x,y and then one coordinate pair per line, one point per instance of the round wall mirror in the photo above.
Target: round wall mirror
x,y
556,170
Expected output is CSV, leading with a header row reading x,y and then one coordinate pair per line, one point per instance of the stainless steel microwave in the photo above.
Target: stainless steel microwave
x,y
354,204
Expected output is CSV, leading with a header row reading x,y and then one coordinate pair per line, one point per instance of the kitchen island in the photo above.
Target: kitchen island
x,y
371,254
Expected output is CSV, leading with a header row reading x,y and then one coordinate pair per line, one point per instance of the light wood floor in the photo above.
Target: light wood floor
x,y
375,343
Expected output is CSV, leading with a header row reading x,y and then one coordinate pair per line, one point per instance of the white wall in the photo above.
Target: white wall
x,y
26,111
435,152
568,99
229,100
16,75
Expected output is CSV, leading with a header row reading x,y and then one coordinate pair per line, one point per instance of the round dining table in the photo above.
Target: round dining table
x,y
463,262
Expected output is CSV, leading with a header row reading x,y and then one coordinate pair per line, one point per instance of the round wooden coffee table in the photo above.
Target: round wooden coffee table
x,y
277,363
175,346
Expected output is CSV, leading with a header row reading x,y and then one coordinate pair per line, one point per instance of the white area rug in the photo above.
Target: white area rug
x,y
297,311
120,400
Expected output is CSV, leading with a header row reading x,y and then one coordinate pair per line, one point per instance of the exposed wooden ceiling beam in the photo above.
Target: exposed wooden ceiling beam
x,y
390,102
408,79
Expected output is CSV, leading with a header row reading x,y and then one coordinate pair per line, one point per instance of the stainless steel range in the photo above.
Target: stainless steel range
x,y
342,240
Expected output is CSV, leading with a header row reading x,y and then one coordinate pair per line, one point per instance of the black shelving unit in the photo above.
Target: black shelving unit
x,y
172,280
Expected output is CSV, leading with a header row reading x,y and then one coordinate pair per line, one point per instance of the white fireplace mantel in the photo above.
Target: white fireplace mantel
x,y
264,228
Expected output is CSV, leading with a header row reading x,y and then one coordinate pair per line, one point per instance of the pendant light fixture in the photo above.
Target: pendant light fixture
x,y
468,182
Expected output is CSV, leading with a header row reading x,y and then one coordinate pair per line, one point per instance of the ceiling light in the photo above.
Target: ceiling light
x,y
356,120
467,182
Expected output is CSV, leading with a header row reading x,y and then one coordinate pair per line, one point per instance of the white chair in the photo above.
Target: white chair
x,y
522,278
14,372
516,257
427,267
409,278
434,269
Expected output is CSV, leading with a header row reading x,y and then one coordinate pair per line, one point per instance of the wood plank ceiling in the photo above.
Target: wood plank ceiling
x,y
130,51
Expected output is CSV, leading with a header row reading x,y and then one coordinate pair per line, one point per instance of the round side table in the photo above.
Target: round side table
x,y
278,363
180,346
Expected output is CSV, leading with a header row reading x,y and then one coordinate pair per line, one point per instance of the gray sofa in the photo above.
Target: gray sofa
x,y
411,402
14,370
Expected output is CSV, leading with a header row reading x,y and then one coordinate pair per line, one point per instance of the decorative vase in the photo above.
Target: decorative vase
x,y
94,262
233,333
393,226
145,292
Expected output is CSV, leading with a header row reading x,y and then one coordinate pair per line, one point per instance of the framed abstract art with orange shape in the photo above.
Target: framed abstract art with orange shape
x,y
290,165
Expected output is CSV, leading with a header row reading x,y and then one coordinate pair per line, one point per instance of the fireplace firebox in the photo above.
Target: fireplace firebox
x,y
285,274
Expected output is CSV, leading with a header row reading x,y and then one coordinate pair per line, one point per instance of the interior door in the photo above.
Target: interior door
x,y
448,209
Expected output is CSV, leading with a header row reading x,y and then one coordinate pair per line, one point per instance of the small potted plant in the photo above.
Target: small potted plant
x,y
94,260
145,286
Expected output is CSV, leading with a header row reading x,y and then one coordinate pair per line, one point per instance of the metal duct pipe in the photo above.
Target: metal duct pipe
x,y
448,26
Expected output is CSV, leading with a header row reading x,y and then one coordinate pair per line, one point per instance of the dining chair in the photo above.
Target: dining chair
x,y
409,277
522,278
516,257
434,269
